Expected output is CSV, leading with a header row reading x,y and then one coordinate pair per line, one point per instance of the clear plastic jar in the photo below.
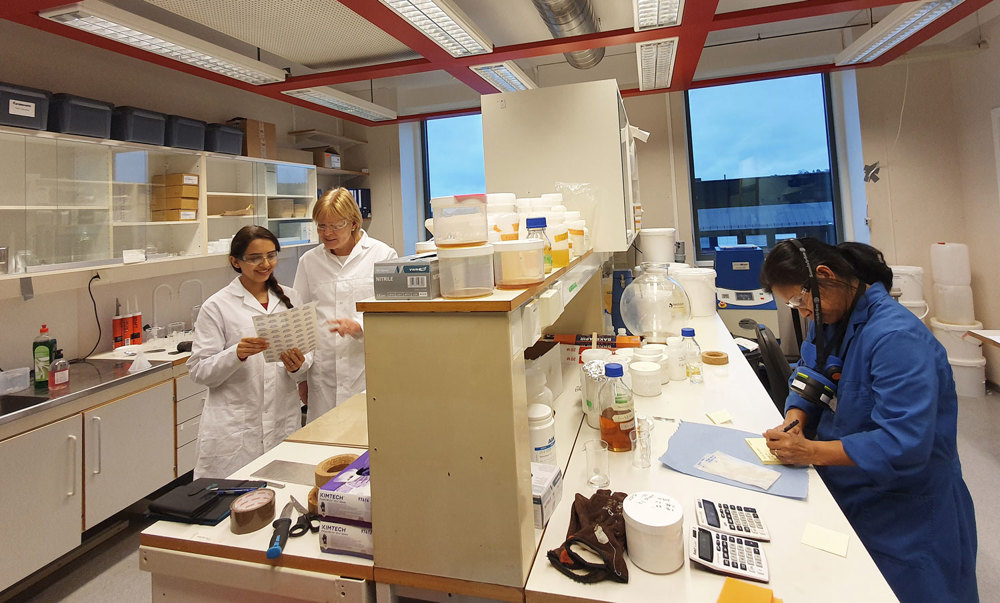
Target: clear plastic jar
x,y
459,221
466,271
519,264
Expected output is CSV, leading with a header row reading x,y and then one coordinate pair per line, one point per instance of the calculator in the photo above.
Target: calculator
x,y
735,520
733,555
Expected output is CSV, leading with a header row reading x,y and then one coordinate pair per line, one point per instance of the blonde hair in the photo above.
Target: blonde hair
x,y
339,202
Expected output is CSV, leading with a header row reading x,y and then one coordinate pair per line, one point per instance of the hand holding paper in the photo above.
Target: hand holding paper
x,y
295,328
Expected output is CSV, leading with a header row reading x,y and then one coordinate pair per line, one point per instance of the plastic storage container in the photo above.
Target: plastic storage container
x,y
425,246
220,138
910,282
459,221
646,378
23,107
950,264
78,115
970,376
466,271
920,308
699,284
185,133
138,125
518,264
955,344
654,530
657,244
953,304
542,434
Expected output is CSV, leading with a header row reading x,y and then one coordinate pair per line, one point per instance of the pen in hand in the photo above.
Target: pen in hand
x,y
790,425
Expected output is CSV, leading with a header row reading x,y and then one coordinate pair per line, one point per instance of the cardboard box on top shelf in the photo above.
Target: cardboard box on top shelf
x,y
166,192
173,203
174,215
260,138
325,157
176,179
295,155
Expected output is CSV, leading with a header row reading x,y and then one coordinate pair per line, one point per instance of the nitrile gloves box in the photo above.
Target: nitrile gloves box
x,y
546,491
346,538
410,277
348,494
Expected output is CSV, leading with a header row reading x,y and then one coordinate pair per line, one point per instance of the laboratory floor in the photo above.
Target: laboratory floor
x,y
110,572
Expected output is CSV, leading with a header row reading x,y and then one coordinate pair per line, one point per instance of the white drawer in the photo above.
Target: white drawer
x,y
190,407
188,431
186,387
187,455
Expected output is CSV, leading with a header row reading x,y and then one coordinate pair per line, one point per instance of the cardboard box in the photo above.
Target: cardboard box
x,y
349,538
409,277
174,215
546,491
260,138
165,192
175,179
173,203
325,157
348,494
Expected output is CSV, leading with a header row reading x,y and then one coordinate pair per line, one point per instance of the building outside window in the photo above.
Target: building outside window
x,y
761,163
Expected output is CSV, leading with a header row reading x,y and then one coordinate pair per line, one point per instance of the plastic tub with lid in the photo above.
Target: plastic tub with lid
x,y
956,344
425,246
654,530
953,304
519,264
699,284
920,308
910,282
645,378
970,376
459,221
657,244
465,271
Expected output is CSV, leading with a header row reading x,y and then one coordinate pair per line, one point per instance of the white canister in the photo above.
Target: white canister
x,y
699,284
950,264
910,282
970,376
664,367
920,308
542,433
425,246
646,378
657,244
952,337
676,366
953,304
654,530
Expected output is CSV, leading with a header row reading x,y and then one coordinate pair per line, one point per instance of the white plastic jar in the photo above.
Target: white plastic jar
x,y
459,221
542,434
646,378
676,364
519,264
577,245
466,271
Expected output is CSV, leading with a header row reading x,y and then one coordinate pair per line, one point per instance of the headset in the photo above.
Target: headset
x,y
818,384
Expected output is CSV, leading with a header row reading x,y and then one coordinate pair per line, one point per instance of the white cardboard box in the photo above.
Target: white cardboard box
x,y
546,491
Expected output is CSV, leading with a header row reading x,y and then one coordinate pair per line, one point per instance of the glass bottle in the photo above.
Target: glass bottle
x,y
692,355
536,230
617,410
654,305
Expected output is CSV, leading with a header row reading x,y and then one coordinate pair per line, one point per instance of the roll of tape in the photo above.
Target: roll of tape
x,y
313,502
252,511
326,470
713,357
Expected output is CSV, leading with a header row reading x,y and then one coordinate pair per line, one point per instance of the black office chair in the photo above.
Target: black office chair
x,y
775,364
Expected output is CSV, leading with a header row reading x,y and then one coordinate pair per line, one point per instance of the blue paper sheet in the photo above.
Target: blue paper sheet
x,y
692,441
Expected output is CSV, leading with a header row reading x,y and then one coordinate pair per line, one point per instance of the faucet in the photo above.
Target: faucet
x,y
194,281
170,293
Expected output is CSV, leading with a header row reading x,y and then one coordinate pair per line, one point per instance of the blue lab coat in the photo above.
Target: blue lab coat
x,y
896,417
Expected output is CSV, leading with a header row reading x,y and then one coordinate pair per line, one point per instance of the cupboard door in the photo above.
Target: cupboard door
x,y
42,497
130,451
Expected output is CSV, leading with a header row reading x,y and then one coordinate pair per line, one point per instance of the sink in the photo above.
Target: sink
x,y
10,403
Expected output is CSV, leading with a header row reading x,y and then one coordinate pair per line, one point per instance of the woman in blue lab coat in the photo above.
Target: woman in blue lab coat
x,y
885,442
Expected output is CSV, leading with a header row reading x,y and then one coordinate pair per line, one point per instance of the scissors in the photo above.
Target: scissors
x,y
307,522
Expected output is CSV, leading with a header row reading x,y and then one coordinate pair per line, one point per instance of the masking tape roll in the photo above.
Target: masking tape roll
x,y
313,500
252,511
713,357
326,470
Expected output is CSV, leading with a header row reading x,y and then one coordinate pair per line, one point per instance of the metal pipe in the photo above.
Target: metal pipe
x,y
572,18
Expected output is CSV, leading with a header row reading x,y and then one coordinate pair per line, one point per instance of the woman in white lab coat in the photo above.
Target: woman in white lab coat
x,y
252,404
337,274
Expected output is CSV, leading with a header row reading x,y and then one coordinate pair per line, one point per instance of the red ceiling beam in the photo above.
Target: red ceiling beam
x,y
696,22
354,74
943,22
13,8
796,10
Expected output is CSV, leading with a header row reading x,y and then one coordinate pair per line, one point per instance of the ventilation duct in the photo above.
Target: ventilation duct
x,y
566,18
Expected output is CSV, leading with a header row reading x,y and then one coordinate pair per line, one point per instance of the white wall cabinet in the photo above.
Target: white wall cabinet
x,y
129,451
42,496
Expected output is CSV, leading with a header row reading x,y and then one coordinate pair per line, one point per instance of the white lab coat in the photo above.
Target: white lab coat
x,y
337,284
252,405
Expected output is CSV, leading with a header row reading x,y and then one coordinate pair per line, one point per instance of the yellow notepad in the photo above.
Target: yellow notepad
x,y
736,591
759,447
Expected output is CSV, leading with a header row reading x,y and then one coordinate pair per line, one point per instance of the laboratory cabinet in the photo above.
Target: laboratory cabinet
x,y
190,400
42,497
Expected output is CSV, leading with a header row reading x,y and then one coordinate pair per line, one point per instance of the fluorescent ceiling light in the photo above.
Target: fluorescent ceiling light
x,y
505,77
906,20
651,14
442,22
115,24
343,102
656,63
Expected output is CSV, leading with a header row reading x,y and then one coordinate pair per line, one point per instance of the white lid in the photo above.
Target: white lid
x,y
913,304
656,346
424,246
466,200
694,272
465,252
626,352
520,245
652,509
492,198
647,352
594,354
914,270
641,366
573,215
935,323
501,208
553,198
959,362
538,412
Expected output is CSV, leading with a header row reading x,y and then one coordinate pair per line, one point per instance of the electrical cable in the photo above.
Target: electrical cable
x,y
97,319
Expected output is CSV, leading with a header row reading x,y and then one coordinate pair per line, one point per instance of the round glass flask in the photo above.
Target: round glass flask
x,y
654,305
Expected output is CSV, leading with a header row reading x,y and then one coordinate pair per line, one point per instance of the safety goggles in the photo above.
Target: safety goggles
x,y
333,227
257,258
795,302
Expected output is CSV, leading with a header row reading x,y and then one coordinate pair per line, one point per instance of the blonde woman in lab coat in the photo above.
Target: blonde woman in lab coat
x,y
252,404
337,274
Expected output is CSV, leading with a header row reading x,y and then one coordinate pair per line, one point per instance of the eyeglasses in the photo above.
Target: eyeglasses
x,y
338,226
257,258
795,302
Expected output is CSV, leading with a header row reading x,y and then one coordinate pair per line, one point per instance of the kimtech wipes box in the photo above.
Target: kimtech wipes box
x,y
546,491
410,277
348,495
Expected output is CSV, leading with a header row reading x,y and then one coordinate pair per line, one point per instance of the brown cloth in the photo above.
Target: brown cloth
x,y
595,542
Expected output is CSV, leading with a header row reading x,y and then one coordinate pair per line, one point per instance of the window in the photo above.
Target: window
x,y
761,164
453,157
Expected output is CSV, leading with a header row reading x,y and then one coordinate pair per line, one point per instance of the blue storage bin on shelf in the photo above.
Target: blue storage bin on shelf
x,y
24,107
72,114
185,133
221,138
132,124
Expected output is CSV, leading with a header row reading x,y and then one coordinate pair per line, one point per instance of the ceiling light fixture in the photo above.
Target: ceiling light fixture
x,y
655,60
445,24
651,14
116,24
906,20
505,77
343,102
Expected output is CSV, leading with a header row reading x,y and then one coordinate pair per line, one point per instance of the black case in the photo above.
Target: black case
x,y
185,133
71,114
221,138
23,107
193,503
132,124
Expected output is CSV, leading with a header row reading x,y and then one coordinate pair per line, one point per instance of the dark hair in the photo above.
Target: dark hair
x,y
238,247
784,264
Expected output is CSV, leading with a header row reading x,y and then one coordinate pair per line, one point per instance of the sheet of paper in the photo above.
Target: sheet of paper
x,y
719,416
295,328
721,464
759,447
825,539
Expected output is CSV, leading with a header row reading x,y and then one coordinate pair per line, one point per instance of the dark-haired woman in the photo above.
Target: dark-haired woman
x,y
252,404
885,444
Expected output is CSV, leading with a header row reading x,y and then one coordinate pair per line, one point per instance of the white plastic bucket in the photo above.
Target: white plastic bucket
x,y
910,281
957,346
657,244
920,308
699,284
950,264
953,304
970,376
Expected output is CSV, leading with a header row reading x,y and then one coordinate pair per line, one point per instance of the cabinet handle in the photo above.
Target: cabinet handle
x,y
72,447
97,426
